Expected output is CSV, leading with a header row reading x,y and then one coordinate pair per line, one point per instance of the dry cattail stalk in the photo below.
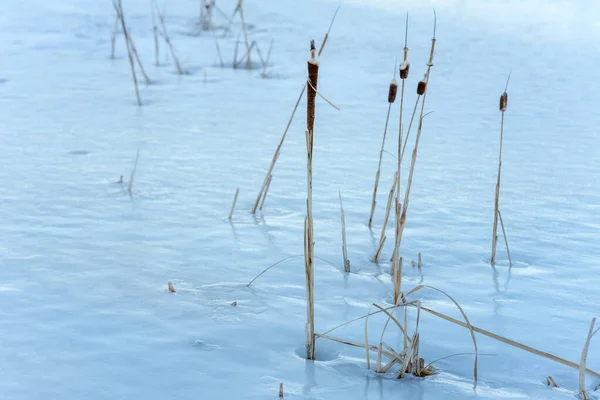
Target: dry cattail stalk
x,y
248,49
311,92
137,58
132,177
234,304
171,288
402,218
235,51
165,36
391,98
277,150
155,34
503,104
281,390
119,9
397,294
505,237
583,361
237,191
420,264
221,63
262,202
413,263
550,382
387,216
344,245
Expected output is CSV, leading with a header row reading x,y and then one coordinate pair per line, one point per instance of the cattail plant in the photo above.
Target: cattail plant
x,y
262,193
311,93
502,106
392,91
421,91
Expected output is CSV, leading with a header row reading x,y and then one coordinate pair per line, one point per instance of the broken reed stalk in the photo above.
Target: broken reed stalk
x,y
281,390
137,58
311,93
132,176
262,193
420,263
551,382
119,9
266,61
219,53
171,288
113,38
165,36
583,361
344,245
397,277
503,104
237,192
248,49
404,69
262,202
505,238
421,90
387,216
278,149
393,89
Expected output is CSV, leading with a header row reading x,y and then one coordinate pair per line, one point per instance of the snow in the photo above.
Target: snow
x,y
84,307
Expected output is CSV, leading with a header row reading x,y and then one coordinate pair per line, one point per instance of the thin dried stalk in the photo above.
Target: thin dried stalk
x,y
171,288
165,36
119,9
235,51
137,58
551,382
387,216
328,31
281,390
354,344
512,342
583,361
276,154
266,191
155,34
234,201
219,53
367,356
132,176
277,150
420,263
503,103
344,245
397,278
266,61
505,238
248,49
285,259
374,201
414,155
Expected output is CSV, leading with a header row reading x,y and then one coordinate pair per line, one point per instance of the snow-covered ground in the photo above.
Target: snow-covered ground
x,y
84,308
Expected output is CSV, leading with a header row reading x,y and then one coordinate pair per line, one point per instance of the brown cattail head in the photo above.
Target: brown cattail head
x,y
503,101
392,92
311,90
422,86
404,67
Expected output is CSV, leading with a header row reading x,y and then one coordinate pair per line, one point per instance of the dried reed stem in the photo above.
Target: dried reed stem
x,y
512,342
132,176
391,96
119,9
155,34
237,191
171,288
583,361
235,51
277,150
311,93
219,53
165,36
420,263
266,61
137,58
387,216
262,202
344,245
262,193
505,237
397,278
248,49
421,90
281,390
551,382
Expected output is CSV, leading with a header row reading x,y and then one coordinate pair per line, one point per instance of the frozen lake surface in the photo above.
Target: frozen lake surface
x,y
84,308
